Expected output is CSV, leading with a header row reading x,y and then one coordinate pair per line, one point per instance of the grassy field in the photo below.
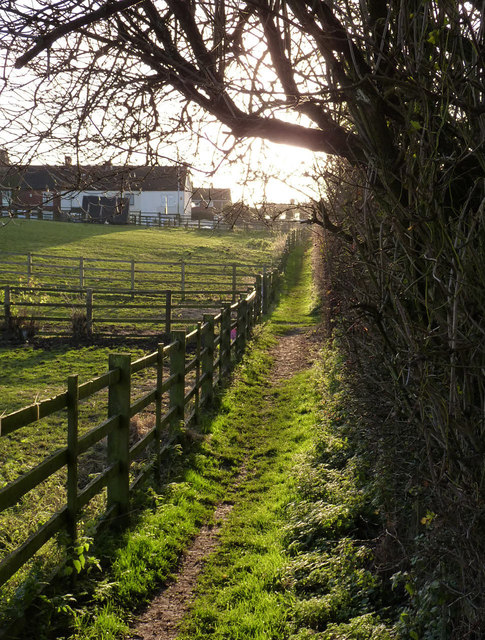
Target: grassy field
x,y
71,255
293,562
95,241
28,373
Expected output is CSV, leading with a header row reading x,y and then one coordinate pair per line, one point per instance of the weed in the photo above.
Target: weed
x,y
79,325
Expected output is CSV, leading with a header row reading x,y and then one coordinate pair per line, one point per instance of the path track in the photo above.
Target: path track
x,y
294,352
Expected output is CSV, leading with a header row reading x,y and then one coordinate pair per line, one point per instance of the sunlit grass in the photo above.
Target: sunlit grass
x,y
287,567
126,242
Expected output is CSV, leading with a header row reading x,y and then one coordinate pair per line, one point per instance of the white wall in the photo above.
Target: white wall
x,y
146,202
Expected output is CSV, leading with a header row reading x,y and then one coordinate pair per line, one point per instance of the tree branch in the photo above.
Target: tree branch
x,y
46,41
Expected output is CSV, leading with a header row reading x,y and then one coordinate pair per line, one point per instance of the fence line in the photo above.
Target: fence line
x,y
198,362
217,355
45,306
156,219
175,220
85,272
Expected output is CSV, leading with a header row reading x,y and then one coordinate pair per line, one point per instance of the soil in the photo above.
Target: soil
x,y
294,352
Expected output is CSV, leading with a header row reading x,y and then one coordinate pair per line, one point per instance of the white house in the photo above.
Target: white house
x,y
86,191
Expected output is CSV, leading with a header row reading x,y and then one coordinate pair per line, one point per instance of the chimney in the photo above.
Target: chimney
x,y
4,161
68,161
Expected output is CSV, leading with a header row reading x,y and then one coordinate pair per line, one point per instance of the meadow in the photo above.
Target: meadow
x,y
101,279
28,372
166,244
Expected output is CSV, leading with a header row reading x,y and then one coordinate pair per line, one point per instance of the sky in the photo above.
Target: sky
x,y
255,171
271,172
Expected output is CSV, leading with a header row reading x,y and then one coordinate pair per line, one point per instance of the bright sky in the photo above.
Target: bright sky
x,y
257,171
271,172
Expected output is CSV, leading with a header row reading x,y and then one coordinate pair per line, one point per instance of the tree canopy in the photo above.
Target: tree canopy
x,y
355,79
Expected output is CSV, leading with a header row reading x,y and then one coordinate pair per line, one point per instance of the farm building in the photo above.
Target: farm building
x,y
105,193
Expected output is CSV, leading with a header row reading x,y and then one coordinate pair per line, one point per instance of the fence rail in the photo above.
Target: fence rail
x,y
109,291
156,219
82,272
208,352
83,312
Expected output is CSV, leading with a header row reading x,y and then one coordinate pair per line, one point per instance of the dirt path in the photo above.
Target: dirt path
x,y
294,352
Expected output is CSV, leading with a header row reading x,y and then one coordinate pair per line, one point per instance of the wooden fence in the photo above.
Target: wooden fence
x,y
155,219
46,269
174,220
84,312
183,377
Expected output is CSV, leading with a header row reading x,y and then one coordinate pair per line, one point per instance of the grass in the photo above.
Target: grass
x,y
289,565
197,249
242,593
127,242
31,373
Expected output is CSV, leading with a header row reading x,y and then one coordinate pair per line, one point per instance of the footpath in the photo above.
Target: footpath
x,y
221,588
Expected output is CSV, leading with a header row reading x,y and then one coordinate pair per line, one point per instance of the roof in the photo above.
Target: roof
x,y
211,193
95,178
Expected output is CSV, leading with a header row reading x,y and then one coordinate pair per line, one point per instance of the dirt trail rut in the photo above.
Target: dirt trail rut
x,y
294,352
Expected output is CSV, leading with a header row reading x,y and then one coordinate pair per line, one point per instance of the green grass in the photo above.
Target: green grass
x,y
242,593
126,242
197,249
288,566
29,374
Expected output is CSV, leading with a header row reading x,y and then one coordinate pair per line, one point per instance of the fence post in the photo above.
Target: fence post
x,y
7,308
238,345
208,359
72,455
265,300
250,310
118,439
272,288
177,368
132,278
29,267
197,374
225,344
89,312
259,297
182,279
244,325
168,311
81,272
158,411
234,282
